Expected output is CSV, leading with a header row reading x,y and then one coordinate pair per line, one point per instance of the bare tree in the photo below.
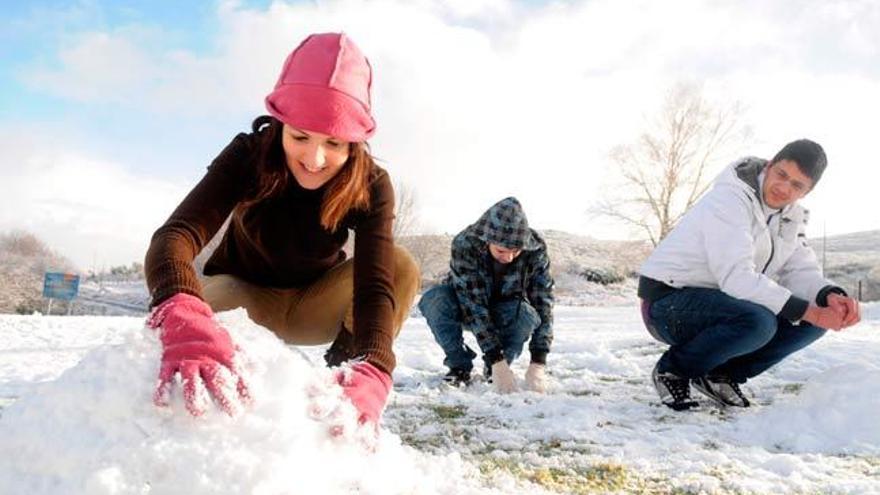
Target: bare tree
x,y
431,253
23,243
24,258
666,170
405,215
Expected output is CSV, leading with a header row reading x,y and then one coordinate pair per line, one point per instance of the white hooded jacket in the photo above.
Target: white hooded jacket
x,y
727,241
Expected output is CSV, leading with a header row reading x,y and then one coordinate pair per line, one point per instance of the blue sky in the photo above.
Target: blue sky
x,y
110,111
35,34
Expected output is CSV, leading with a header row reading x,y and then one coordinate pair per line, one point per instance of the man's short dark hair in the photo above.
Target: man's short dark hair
x,y
809,156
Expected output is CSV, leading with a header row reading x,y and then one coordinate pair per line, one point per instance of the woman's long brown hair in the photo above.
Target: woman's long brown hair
x,y
348,190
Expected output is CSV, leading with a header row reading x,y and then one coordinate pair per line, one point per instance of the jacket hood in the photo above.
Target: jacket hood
x,y
505,224
744,174
748,170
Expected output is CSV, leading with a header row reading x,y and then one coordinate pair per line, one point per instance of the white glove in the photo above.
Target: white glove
x,y
503,378
536,378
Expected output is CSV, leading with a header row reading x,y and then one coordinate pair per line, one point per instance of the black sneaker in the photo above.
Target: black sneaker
x,y
722,390
340,350
674,391
458,377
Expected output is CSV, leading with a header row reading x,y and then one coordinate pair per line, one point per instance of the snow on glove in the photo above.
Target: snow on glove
x,y
502,377
195,346
536,378
367,388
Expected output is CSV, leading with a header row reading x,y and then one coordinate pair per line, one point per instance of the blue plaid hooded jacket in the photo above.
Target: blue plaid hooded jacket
x,y
527,279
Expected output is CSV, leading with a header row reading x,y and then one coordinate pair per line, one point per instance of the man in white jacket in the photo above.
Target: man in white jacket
x,y
734,288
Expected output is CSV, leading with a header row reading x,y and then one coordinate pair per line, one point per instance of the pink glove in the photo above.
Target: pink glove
x,y
846,306
195,346
827,318
367,388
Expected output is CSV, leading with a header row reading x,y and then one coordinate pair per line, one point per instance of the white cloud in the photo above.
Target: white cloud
x,y
106,67
479,100
92,211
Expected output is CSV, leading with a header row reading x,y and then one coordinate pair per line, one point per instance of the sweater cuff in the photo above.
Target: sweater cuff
x,y
172,278
539,357
382,359
794,308
822,296
376,349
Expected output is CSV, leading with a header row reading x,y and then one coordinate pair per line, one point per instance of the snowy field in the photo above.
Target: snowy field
x,y
76,417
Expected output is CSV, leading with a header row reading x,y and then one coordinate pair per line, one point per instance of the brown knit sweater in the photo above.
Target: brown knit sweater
x,y
288,229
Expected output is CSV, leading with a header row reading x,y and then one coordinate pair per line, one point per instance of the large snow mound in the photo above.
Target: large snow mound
x,y
95,430
834,413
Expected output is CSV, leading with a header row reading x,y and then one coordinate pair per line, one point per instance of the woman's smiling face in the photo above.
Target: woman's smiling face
x,y
313,158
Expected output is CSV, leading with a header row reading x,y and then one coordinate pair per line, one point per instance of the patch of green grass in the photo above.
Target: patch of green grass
x,y
555,447
793,388
430,444
602,477
599,478
483,449
582,393
551,446
725,473
680,491
449,413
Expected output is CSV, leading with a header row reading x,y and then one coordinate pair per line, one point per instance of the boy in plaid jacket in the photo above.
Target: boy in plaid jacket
x,y
500,288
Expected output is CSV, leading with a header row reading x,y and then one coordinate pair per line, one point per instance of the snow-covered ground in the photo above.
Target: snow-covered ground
x,y
76,417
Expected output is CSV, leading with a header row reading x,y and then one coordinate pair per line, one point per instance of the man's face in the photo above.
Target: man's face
x,y
502,254
784,183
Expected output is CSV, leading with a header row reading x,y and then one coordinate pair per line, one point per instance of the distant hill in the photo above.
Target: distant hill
x,y
24,259
864,242
850,259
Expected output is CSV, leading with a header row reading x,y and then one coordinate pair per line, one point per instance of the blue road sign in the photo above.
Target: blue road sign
x,y
60,285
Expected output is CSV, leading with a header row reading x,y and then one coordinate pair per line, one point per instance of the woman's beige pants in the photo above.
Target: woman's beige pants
x,y
314,314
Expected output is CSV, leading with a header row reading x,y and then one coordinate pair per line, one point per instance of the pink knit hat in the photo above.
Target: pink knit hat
x,y
325,87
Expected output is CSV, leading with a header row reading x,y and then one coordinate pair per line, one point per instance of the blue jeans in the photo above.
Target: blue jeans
x,y
710,332
513,320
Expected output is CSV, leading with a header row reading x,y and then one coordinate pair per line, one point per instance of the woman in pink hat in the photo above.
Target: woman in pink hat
x,y
292,189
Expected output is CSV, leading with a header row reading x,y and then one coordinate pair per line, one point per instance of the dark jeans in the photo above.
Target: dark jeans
x,y
710,332
513,320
